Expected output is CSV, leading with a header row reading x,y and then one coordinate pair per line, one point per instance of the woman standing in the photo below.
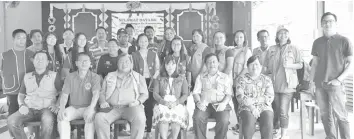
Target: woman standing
x,y
179,54
236,59
165,46
147,63
36,39
170,92
80,45
56,56
282,61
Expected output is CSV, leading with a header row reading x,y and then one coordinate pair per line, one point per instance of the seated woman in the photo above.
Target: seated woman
x,y
254,92
170,92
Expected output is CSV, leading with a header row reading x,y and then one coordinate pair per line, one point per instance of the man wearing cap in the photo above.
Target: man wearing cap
x,y
331,65
125,46
36,39
281,64
130,30
122,95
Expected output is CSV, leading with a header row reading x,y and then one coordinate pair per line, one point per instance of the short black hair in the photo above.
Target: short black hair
x,y
251,59
82,54
200,32
16,31
41,51
101,28
262,31
35,31
120,56
113,40
209,56
328,13
68,29
129,26
148,27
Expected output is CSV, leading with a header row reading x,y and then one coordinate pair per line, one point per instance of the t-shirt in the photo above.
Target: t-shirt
x,y
107,64
80,90
331,52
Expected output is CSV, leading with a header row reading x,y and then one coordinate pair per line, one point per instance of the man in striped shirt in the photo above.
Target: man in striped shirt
x,y
100,47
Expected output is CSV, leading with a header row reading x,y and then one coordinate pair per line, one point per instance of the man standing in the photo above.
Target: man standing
x,y
37,99
123,42
15,63
83,87
331,64
260,52
131,31
123,93
100,48
212,93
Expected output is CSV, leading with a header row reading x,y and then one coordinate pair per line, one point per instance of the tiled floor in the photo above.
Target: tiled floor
x,y
294,129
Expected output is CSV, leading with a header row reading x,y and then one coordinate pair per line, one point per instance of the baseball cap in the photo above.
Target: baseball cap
x,y
121,31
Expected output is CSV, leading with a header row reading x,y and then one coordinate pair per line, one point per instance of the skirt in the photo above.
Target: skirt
x,y
178,114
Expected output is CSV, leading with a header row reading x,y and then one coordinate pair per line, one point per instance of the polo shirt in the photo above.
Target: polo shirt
x,y
80,90
331,52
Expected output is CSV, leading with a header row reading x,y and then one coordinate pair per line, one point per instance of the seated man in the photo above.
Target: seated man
x,y
123,92
83,87
255,94
37,99
212,93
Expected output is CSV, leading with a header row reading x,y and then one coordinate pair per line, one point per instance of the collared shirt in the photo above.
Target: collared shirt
x,y
58,83
213,87
124,91
260,54
248,88
332,53
81,90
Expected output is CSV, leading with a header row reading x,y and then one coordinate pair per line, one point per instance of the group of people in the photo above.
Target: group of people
x,y
147,81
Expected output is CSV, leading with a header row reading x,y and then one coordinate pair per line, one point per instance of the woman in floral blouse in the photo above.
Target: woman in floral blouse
x,y
254,92
170,92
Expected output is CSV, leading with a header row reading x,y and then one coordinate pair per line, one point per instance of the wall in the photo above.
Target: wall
x,y
27,15
241,18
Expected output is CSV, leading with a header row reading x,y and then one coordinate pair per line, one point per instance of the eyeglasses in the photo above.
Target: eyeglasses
x,y
328,21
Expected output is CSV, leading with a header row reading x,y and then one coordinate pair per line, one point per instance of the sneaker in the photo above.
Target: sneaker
x,y
236,129
124,133
276,134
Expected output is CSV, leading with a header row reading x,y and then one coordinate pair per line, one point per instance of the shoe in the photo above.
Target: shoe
x,y
276,134
236,129
148,135
124,133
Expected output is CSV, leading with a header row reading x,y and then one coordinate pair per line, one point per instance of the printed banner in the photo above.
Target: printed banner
x,y
139,21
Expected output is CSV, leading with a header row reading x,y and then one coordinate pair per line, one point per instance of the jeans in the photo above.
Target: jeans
x,y
135,115
149,108
200,121
73,114
249,124
12,103
16,120
332,99
282,104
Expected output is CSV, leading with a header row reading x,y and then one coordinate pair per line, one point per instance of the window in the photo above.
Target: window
x,y
298,17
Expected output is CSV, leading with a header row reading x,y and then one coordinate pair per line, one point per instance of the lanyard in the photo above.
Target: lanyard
x,y
53,61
